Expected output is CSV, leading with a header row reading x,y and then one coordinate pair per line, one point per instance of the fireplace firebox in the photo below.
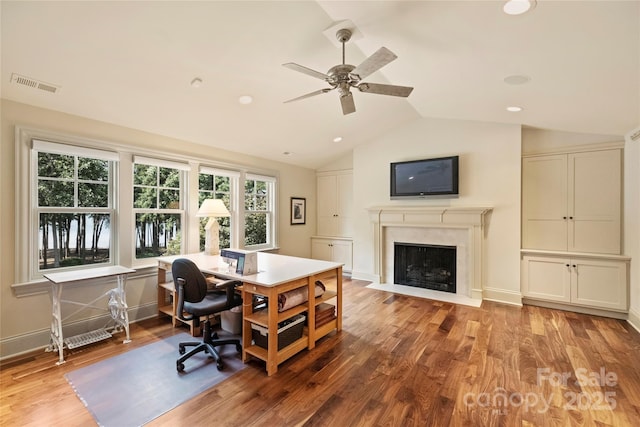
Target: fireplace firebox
x,y
425,266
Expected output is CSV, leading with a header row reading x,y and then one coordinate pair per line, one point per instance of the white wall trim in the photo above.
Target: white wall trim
x,y
576,308
361,275
39,339
502,296
634,319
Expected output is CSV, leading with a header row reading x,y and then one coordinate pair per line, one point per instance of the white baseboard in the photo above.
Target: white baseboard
x,y
39,340
359,275
634,319
576,308
502,296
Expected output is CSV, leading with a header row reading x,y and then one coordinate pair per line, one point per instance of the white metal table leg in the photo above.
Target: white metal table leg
x,y
118,306
57,340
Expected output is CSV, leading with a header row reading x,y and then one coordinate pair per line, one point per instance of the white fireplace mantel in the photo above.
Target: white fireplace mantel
x,y
469,218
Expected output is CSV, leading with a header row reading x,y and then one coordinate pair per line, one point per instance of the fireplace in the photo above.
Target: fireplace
x,y
459,228
425,266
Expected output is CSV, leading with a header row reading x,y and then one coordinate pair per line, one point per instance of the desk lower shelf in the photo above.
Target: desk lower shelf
x,y
282,355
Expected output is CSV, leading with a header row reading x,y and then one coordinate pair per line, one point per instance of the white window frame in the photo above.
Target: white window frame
x,y
271,211
234,179
29,143
183,169
27,278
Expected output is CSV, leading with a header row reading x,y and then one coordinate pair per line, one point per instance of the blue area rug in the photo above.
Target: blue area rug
x,y
138,386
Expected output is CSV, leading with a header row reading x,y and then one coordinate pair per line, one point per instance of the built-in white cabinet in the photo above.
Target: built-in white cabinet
x,y
335,204
572,201
595,282
336,250
572,228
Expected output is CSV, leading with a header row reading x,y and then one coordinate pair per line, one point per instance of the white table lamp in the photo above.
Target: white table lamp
x,y
212,208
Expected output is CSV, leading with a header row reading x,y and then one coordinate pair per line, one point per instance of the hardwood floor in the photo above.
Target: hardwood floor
x,y
399,361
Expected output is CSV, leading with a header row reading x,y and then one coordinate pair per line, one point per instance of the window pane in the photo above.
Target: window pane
x,y
169,199
205,182
157,234
223,183
93,195
55,193
144,198
145,175
255,229
261,203
73,239
93,169
169,178
55,165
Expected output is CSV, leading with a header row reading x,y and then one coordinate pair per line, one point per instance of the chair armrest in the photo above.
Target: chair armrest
x,y
180,306
228,283
230,287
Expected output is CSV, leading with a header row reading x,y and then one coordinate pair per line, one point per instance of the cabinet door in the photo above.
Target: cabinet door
x,y
601,284
594,201
546,278
544,202
342,252
321,249
327,205
344,205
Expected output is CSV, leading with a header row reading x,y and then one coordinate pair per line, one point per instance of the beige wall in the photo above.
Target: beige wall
x,y
489,176
24,321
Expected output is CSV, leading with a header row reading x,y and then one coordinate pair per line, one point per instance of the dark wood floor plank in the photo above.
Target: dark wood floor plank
x,y
399,361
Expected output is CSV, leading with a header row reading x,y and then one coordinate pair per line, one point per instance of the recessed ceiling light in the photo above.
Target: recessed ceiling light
x,y
197,82
518,7
517,79
514,109
245,99
337,139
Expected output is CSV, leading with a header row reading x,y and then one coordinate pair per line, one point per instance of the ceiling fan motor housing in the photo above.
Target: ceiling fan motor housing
x,y
341,73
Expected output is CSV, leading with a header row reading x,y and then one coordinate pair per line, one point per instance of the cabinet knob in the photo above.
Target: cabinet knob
x,y
570,217
574,266
568,265
564,217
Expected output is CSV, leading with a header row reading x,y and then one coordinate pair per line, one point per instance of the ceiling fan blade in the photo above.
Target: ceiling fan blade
x,y
317,92
373,63
348,105
381,89
305,70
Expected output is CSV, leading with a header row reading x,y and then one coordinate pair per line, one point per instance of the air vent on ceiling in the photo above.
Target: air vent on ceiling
x,y
33,83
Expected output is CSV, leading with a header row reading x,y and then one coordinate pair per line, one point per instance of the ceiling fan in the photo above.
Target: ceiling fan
x,y
344,76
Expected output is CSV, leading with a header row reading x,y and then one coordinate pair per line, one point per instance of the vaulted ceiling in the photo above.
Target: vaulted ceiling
x,y
132,64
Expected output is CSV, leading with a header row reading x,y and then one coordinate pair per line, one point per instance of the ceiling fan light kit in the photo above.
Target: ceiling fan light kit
x,y
344,76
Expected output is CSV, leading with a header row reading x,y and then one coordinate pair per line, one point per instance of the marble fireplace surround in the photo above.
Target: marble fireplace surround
x,y
462,227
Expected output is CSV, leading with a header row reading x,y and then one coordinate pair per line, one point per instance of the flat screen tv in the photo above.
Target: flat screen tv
x,y
426,177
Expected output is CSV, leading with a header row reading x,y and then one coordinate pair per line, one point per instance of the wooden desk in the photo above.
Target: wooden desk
x,y
278,274
117,306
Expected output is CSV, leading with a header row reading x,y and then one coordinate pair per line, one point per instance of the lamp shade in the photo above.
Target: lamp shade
x,y
213,208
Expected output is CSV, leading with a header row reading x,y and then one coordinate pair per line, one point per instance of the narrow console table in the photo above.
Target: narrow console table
x,y
117,306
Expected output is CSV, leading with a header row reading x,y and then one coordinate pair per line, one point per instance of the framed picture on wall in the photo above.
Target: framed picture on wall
x,y
298,210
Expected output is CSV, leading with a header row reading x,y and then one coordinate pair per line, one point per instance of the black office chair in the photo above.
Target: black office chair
x,y
197,301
